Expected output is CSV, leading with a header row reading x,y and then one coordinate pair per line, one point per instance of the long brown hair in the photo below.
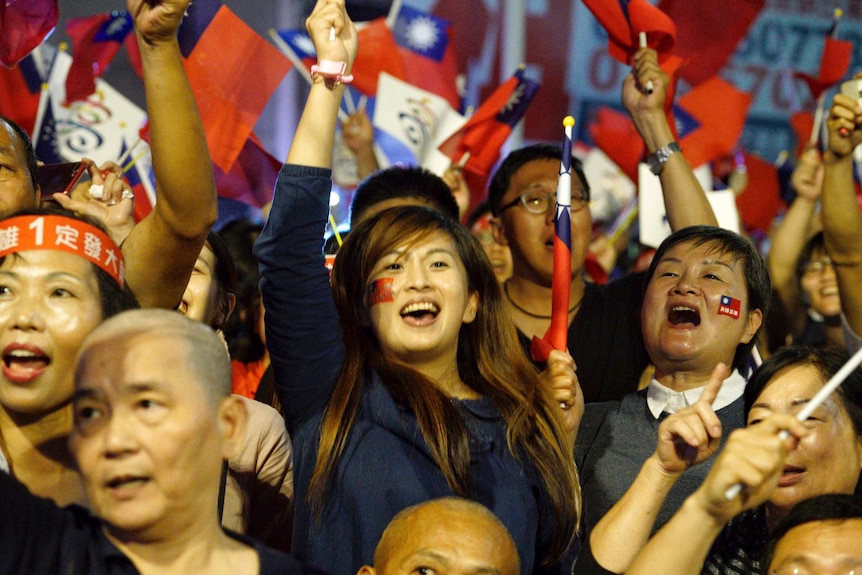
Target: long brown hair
x,y
490,361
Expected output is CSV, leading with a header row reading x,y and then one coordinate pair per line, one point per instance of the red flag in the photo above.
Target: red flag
x,y
427,53
233,72
378,52
625,19
23,26
483,135
252,177
760,201
802,124
20,91
833,65
710,119
615,134
95,41
704,46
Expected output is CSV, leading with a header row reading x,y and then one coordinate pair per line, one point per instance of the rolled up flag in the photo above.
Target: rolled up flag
x,y
561,283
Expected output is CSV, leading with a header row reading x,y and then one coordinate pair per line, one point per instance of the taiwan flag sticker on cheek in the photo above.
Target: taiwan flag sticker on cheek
x,y
729,306
380,291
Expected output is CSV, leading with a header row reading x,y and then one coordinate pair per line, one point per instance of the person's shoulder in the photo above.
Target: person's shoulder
x,y
273,562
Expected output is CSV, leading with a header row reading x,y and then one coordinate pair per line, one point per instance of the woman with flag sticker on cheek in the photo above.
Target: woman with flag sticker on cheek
x,y
402,380
707,292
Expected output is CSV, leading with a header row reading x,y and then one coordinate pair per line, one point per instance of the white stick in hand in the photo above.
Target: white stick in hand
x,y
812,405
643,43
332,34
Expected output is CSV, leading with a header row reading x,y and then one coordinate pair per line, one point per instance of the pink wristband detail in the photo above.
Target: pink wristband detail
x,y
332,70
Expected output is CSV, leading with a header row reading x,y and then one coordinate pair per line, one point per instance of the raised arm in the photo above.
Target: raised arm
x,y
753,456
684,199
686,438
789,239
161,250
301,322
842,223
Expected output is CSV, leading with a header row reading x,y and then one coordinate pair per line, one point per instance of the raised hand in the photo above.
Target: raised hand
x,y
845,124
332,32
645,69
807,178
692,434
754,457
157,20
454,178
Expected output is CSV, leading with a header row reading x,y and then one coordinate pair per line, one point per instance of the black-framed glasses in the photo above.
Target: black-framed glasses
x,y
539,201
816,266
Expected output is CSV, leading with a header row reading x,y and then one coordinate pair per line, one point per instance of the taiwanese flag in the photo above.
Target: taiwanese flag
x,y
20,92
833,65
45,141
233,73
252,177
299,47
427,53
704,46
135,176
95,42
625,19
378,52
484,134
23,26
561,283
729,306
710,119
759,202
615,134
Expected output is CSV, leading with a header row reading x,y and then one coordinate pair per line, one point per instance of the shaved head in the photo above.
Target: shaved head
x,y
450,535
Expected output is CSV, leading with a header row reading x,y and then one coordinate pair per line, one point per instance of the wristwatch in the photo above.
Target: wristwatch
x,y
657,159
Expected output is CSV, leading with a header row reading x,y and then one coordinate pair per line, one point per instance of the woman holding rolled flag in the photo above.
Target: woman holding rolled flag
x,y
780,460
402,380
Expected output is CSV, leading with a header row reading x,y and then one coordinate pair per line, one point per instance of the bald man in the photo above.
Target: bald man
x,y
449,536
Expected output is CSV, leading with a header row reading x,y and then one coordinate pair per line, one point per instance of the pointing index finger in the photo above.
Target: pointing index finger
x,y
710,392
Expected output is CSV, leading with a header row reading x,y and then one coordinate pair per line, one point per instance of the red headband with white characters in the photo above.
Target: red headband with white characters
x,y
23,233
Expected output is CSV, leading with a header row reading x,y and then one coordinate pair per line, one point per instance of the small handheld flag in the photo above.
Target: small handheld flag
x,y
557,334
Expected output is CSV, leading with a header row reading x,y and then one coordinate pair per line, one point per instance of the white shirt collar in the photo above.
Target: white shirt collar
x,y
663,399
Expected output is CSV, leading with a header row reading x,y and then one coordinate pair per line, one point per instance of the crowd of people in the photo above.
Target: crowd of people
x,y
177,400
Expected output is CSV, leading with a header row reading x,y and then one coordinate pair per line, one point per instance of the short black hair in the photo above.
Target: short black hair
x,y
757,283
225,270
402,182
502,178
29,151
831,507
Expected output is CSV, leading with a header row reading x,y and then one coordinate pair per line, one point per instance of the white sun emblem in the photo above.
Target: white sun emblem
x,y
514,99
422,33
305,44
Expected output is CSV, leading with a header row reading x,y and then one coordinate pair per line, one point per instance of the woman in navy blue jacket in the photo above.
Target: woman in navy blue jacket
x,y
423,391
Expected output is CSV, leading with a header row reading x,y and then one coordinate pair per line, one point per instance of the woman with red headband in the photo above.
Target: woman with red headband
x,y
60,276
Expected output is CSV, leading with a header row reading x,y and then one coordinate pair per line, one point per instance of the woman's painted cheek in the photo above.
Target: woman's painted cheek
x,y
380,291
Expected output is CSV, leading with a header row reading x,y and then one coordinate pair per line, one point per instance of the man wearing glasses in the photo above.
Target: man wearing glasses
x,y
604,320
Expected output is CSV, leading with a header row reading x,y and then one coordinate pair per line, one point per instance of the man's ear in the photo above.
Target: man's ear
x,y
366,570
498,230
232,422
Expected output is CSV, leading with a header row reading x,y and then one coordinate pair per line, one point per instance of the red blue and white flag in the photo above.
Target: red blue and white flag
x,y
484,133
24,24
561,282
95,41
233,73
729,306
20,92
426,46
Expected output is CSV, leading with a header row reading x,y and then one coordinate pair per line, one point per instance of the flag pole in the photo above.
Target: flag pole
x,y
561,283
